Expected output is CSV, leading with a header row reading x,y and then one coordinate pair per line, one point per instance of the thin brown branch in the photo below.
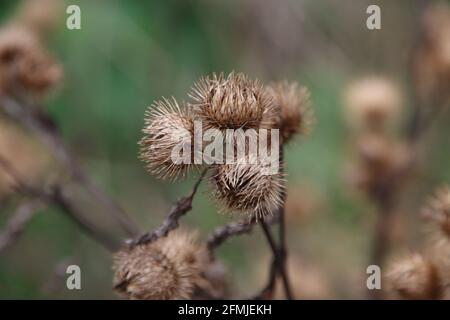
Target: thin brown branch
x,y
38,124
16,224
181,207
56,197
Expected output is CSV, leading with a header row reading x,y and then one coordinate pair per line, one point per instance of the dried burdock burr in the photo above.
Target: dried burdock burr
x,y
412,277
169,268
232,102
25,67
431,59
167,145
438,210
247,188
438,248
379,163
294,113
372,103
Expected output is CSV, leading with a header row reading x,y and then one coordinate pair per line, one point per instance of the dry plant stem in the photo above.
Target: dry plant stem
x,y
282,234
55,196
16,224
181,207
50,137
221,234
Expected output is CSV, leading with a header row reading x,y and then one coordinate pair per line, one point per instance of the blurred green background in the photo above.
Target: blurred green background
x,y
129,53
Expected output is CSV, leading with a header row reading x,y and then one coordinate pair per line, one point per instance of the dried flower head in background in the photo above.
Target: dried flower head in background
x,y
245,188
379,162
232,102
167,126
373,104
40,16
438,209
412,277
167,269
25,67
431,62
293,108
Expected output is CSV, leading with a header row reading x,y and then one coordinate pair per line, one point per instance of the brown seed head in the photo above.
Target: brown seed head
x,y
167,127
246,188
412,277
167,269
232,102
438,209
431,62
25,67
294,113
373,103
379,162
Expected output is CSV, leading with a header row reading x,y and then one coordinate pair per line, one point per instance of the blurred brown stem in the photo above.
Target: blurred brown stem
x,y
55,196
41,124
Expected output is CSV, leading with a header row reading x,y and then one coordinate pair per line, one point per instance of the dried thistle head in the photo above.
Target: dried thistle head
x,y
412,277
438,210
294,114
167,128
245,187
379,162
232,102
372,104
431,62
25,67
167,269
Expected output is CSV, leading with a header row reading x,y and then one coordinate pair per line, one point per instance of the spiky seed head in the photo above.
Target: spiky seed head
x,y
246,188
232,102
373,103
294,113
167,269
412,277
438,209
167,128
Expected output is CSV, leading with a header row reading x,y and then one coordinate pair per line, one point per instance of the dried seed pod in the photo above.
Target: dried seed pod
x,y
379,162
25,67
246,187
167,145
431,60
294,113
167,269
438,210
372,103
232,102
412,277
